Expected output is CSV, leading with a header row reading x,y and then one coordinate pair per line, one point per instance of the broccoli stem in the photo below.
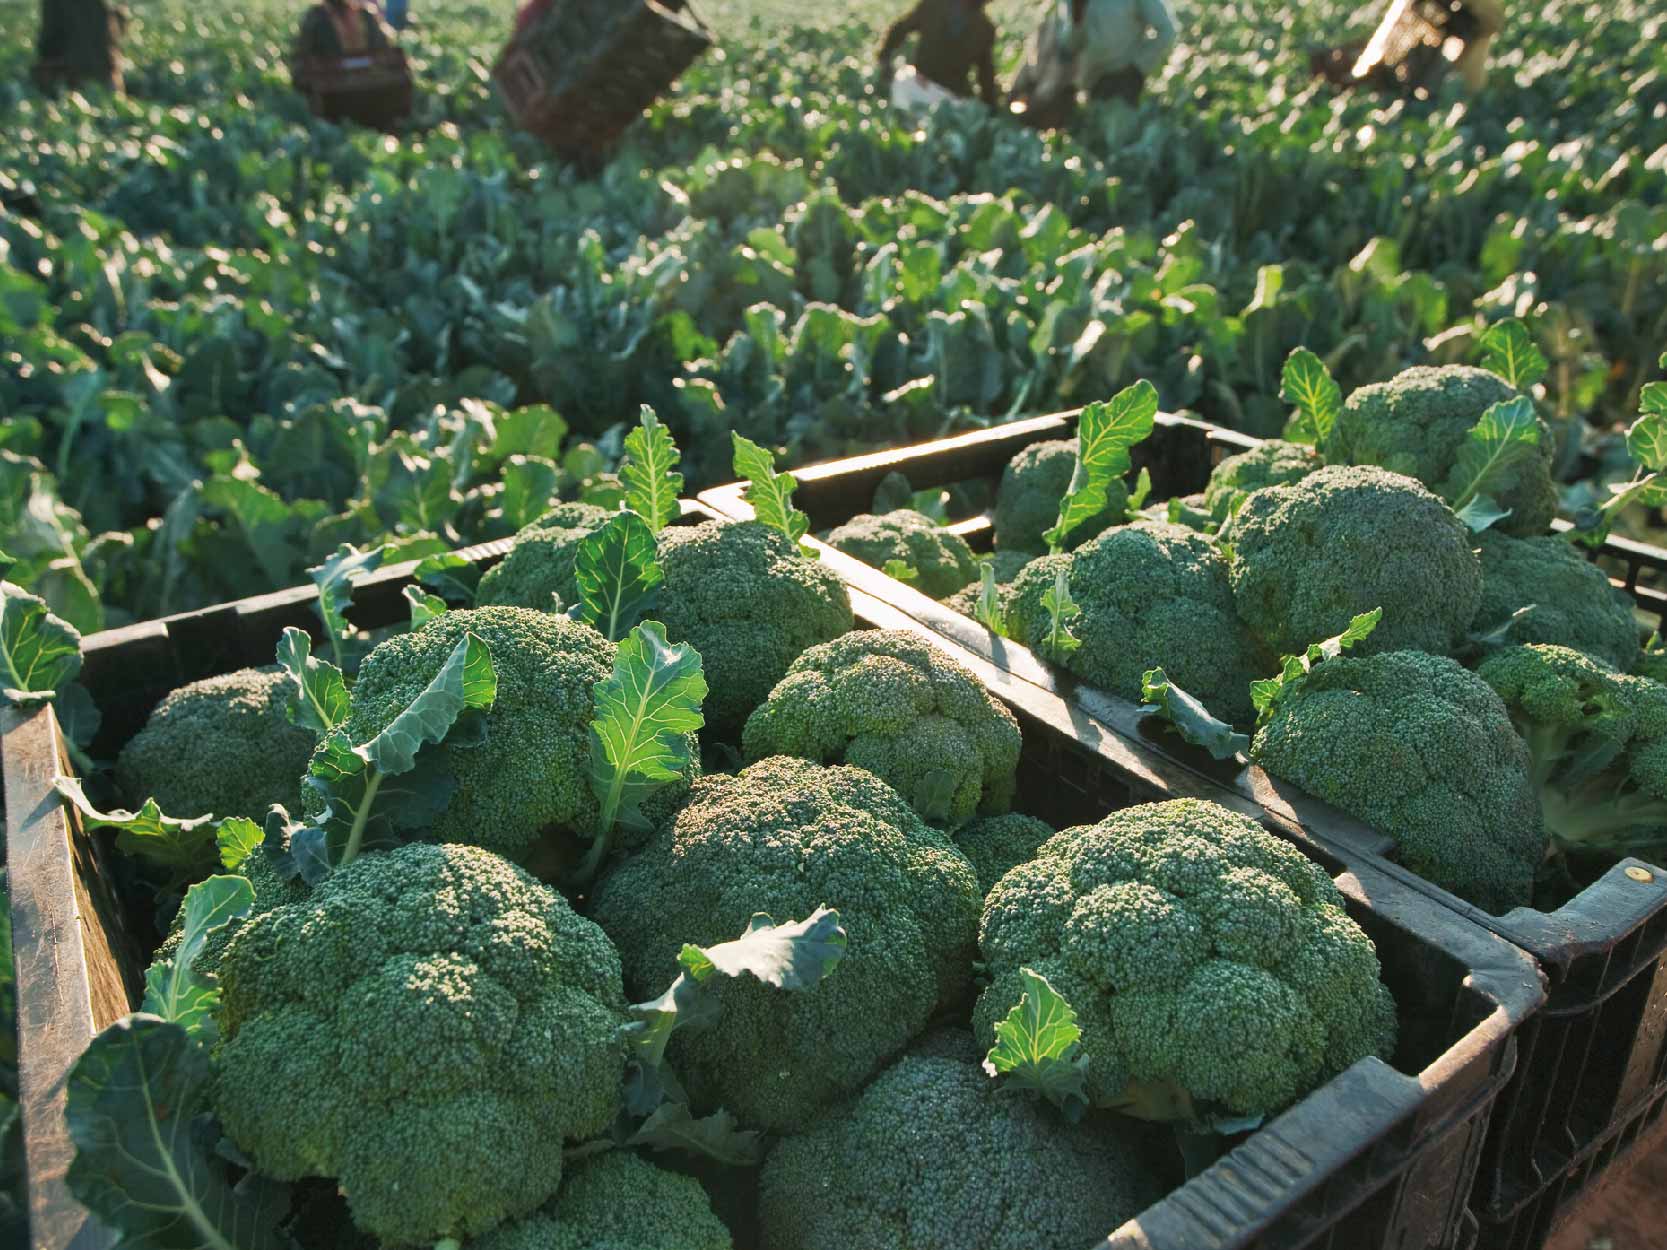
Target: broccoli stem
x,y
1586,823
361,817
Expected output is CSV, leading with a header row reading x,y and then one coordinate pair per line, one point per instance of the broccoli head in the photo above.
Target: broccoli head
x,y
1211,965
785,837
1005,565
529,779
1598,741
539,567
223,746
1309,557
894,704
274,887
750,602
1032,485
1415,424
1151,595
617,1201
1422,750
948,1161
940,558
421,1011
996,844
1272,462
1573,603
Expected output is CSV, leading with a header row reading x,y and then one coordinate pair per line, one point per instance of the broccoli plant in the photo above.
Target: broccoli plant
x,y
1646,443
1105,433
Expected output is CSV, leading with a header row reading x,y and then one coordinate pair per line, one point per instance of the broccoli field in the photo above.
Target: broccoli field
x,y
582,866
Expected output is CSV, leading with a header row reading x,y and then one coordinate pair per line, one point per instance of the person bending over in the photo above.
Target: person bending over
x,y
956,43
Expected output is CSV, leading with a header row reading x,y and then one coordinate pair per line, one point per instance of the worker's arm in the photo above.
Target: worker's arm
x,y
1155,51
900,30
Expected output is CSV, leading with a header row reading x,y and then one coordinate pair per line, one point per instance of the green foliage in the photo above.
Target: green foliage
x,y
334,579
424,605
319,701
1509,350
1038,1047
1266,694
182,847
1058,642
175,990
38,652
1507,435
988,610
1190,718
1105,433
1646,444
770,493
648,472
617,575
1307,385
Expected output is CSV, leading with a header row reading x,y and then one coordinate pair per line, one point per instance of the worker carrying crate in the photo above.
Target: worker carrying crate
x,y
577,73
348,67
1416,45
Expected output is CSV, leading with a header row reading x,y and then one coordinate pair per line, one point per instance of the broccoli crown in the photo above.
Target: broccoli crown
x,y
617,1201
1201,954
1420,748
1598,741
1151,595
1309,557
1573,603
894,704
273,888
539,567
1272,462
1415,424
941,559
1032,485
929,1132
748,600
223,746
996,844
423,1007
529,778
785,837
1005,565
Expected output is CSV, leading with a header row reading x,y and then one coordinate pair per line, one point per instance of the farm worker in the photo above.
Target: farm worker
x,y
1472,62
1119,43
956,42
79,42
338,28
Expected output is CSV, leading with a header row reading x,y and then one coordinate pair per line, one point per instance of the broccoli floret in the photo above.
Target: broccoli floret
x,y
948,1162
1421,749
529,779
1309,557
1598,740
750,602
785,837
997,844
894,704
1005,565
1272,462
617,1201
1152,595
1032,485
423,1009
1415,424
940,558
1212,967
539,567
1573,603
224,746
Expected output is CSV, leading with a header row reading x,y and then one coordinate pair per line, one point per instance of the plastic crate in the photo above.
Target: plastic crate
x,y
1382,1156
582,72
372,88
1592,1058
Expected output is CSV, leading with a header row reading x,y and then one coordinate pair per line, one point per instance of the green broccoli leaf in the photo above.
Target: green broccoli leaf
x,y
1482,512
1142,489
450,576
1105,433
1307,385
318,699
649,474
1505,434
900,570
530,486
1182,513
237,838
617,574
770,493
1189,717
141,1163
1061,610
466,682
1039,1047
1266,694
645,710
672,1126
424,606
1646,443
1509,350
182,846
989,610
175,990
38,652
334,579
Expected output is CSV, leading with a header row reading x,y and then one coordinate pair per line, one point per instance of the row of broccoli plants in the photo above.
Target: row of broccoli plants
x,y
1500,713
434,894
